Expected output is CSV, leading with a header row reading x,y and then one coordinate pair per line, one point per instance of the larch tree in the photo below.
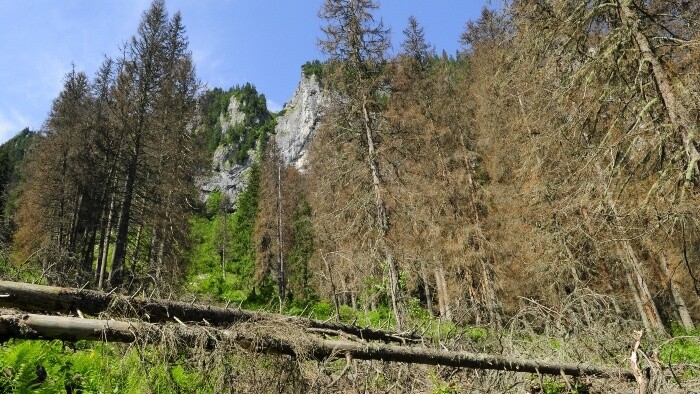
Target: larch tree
x,y
357,218
111,181
155,101
617,153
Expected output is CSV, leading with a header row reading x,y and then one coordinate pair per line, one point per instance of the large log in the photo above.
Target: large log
x,y
37,298
31,326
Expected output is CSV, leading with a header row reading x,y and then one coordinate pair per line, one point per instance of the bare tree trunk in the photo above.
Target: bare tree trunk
x,y
426,290
489,292
38,298
137,247
647,301
638,301
104,245
677,112
685,319
443,297
440,294
577,281
394,284
610,288
71,329
382,217
488,287
333,289
281,277
224,223
116,275
633,268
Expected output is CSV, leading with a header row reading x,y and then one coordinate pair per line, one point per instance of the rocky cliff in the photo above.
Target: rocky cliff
x,y
227,175
295,128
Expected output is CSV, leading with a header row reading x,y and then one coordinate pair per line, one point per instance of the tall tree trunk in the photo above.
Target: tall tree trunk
x,y
136,255
634,269
488,286
336,303
116,275
609,286
677,112
685,319
577,282
443,297
223,222
382,217
638,302
74,223
104,245
88,252
639,285
426,289
395,289
281,275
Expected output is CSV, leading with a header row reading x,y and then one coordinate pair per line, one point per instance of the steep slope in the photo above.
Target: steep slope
x,y
237,126
297,126
227,174
236,134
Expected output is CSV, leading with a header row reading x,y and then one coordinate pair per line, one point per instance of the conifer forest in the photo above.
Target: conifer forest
x,y
522,216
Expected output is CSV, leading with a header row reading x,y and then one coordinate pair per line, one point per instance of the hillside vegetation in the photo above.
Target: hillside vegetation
x,y
535,194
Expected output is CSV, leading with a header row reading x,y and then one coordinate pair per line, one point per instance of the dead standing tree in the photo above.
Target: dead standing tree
x,y
623,131
356,45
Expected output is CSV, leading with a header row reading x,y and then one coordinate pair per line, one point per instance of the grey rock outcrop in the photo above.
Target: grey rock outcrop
x,y
293,134
227,176
296,128
233,116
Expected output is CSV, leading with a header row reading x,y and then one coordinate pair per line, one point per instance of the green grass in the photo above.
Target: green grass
x,y
96,368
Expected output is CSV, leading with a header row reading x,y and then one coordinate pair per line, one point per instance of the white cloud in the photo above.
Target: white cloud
x,y
11,124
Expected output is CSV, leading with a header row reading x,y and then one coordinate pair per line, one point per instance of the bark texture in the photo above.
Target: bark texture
x,y
38,298
29,326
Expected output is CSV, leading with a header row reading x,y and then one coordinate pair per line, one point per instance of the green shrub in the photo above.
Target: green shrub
x,y
20,362
322,310
681,350
314,67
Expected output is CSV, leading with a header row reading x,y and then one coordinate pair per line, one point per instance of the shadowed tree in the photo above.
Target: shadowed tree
x,y
155,101
115,165
350,143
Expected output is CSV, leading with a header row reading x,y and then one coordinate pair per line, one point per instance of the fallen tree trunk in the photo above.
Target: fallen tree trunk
x,y
37,298
30,326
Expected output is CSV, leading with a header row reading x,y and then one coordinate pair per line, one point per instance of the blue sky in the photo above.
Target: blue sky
x,y
232,41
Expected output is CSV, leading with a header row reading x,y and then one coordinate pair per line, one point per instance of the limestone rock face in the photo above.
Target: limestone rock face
x,y
296,128
227,176
294,131
233,116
